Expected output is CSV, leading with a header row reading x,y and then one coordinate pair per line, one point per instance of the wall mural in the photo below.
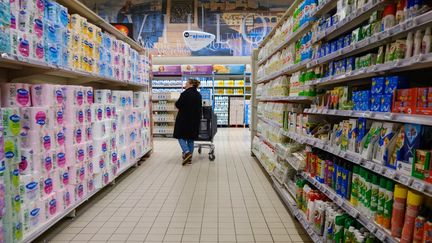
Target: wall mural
x,y
238,25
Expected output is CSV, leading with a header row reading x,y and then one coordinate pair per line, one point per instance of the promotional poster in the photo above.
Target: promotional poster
x,y
236,27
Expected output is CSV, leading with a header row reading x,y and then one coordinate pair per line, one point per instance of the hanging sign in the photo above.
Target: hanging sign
x,y
197,40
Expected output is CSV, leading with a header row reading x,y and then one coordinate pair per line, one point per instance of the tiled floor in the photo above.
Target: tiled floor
x,y
228,200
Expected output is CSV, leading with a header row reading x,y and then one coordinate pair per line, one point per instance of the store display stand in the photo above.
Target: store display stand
x,y
271,140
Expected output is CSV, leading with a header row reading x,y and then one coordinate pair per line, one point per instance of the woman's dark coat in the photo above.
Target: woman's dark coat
x,y
189,115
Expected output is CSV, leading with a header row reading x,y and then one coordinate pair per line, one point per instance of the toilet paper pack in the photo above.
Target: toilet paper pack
x,y
101,146
34,215
73,96
15,94
60,158
59,137
98,112
74,116
51,206
58,116
11,121
103,96
48,184
63,177
89,96
99,129
80,191
29,162
29,188
74,135
77,173
88,113
35,118
47,161
38,140
45,95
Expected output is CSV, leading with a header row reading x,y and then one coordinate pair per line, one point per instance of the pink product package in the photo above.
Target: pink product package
x,y
74,135
98,181
90,185
89,95
80,191
88,132
51,205
90,168
77,173
74,116
90,150
38,140
35,118
73,96
42,94
98,112
15,95
29,162
29,187
48,183
59,137
99,129
101,146
64,178
47,162
60,158
88,114
69,196
58,116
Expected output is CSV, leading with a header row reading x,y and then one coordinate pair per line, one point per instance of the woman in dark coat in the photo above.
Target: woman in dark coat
x,y
188,118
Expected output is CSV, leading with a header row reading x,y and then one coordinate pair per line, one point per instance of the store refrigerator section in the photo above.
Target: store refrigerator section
x,y
342,118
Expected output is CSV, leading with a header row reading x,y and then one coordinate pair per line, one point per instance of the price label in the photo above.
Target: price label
x,y
378,169
324,111
390,173
369,165
336,151
339,201
342,154
332,112
371,227
380,235
418,185
403,179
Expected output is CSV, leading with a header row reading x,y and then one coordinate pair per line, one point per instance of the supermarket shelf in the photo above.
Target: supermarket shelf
x,y
229,95
381,234
256,153
270,122
413,63
322,8
352,20
376,40
170,100
25,68
266,141
47,225
409,181
291,205
164,110
287,98
166,87
219,87
179,77
285,71
75,6
161,121
287,14
380,116
229,76
292,38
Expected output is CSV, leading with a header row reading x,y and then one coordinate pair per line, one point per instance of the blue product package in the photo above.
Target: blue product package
x,y
411,142
327,48
386,103
393,83
365,105
361,129
63,16
356,106
365,96
375,102
51,10
333,46
350,64
378,85
355,96
343,65
331,69
340,43
347,40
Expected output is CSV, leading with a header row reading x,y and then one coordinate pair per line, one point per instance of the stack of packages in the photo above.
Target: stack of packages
x,y
140,102
104,130
78,118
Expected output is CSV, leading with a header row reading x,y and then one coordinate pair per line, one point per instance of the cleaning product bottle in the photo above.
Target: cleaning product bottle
x,y
374,195
417,42
381,200
397,220
354,186
426,42
414,202
409,45
388,204
339,228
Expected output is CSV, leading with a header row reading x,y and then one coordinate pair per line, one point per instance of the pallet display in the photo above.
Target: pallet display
x,y
164,112
341,118
75,91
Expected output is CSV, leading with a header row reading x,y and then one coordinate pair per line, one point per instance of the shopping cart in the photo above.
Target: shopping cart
x,y
207,131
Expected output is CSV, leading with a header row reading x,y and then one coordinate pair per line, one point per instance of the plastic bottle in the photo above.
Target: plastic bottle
x,y
379,218
368,194
374,195
426,43
414,202
417,42
388,204
389,16
354,186
409,45
397,220
400,11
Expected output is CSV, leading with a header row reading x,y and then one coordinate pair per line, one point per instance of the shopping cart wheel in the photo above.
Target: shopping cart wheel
x,y
212,157
199,149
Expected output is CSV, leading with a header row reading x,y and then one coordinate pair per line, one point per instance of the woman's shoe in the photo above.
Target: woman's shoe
x,y
187,158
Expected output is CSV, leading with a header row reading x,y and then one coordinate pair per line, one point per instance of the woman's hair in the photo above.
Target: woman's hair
x,y
194,82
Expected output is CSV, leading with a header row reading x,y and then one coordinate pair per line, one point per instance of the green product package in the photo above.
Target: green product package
x,y
339,228
381,197
374,194
388,199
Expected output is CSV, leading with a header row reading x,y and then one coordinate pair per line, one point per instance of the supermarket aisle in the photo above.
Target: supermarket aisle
x,y
229,200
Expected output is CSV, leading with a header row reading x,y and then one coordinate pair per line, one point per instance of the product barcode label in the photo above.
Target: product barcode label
x,y
332,112
369,165
342,154
378,169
